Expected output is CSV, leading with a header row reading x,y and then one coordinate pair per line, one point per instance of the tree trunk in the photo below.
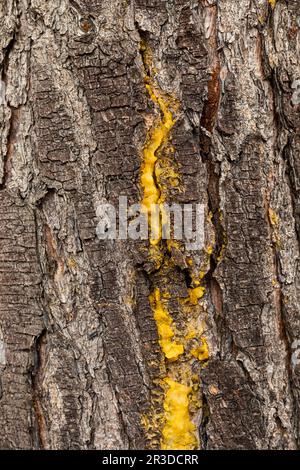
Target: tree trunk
x,y
116,344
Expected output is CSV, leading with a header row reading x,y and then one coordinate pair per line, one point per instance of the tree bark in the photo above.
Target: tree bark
x,y
85,360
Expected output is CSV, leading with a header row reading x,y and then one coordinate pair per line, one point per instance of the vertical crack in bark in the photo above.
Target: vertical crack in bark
x,y
7,53
157,139
207,123
11,141
280,123
14,118
279,300
39,433
181,401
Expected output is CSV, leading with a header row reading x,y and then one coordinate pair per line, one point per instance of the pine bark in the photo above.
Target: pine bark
x,y
81,365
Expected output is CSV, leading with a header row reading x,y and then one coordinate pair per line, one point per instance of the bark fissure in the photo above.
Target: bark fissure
x,y
175,388
39,431
11,141
207,123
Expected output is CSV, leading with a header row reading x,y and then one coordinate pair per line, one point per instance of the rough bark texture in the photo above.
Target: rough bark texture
x,y
80,362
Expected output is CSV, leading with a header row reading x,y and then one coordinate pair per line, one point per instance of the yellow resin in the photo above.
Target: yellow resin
x,y
164,322
274,219
180,401
201,352
222,251
172,244
167,172
156,138
209,250
272,3
190,335
196,294
179,431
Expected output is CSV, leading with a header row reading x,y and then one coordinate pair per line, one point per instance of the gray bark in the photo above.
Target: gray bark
x,y
80,361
